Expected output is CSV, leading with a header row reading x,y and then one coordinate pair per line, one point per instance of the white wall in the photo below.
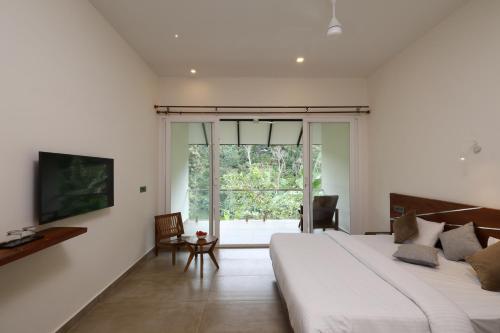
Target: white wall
x,y
262,91
429,103
179,169
70,84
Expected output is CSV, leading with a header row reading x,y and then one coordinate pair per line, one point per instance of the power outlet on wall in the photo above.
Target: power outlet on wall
x,y
142,189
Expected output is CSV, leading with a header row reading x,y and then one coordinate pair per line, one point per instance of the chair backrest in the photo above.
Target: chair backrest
x,y
168,225
323,209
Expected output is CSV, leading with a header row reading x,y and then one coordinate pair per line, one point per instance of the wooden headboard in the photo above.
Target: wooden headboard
x,y
486,220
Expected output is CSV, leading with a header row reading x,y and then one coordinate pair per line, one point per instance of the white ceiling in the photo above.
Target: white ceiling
x,y
262,38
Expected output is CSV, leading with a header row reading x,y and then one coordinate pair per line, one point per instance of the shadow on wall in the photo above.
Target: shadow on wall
x,y
17,278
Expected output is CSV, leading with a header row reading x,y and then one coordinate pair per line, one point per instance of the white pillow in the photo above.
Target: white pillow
x,y
492,240
428,232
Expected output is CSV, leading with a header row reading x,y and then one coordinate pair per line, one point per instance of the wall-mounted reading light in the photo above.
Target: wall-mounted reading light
x,y
475,148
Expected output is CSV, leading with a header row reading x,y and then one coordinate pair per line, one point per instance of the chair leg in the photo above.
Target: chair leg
x,y
212,256
191,255
201,264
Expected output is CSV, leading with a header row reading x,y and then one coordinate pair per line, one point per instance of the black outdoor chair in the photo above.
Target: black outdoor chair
x,y
325,213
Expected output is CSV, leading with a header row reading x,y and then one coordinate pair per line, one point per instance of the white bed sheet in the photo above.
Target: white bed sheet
x,y
327,291
455,280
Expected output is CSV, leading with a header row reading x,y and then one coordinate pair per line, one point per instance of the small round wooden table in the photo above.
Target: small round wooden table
x,y
200,246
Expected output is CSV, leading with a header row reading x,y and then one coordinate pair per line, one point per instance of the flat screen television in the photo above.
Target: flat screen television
x,y
71,185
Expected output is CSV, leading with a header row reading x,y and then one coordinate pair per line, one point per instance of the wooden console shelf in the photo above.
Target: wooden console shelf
x,y
51,236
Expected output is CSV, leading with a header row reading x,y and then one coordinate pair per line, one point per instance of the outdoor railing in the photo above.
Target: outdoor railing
x,y
245,204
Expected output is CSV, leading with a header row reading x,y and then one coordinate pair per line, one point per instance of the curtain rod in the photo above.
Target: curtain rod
x,y
167,109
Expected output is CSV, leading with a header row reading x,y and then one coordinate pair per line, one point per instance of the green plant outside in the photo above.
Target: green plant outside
x,y
256,181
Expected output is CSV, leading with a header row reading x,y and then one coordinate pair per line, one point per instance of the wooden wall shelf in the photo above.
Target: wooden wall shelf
x,y
51,236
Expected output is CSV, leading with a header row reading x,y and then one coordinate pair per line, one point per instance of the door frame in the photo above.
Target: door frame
x,y
165,154
164,167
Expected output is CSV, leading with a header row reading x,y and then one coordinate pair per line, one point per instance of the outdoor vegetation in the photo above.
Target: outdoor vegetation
x,y
256,181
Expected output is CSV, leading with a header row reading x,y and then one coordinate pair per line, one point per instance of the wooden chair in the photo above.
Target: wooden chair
x,y
168,233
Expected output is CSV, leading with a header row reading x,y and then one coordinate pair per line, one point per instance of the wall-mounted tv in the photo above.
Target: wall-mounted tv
x,y
71,185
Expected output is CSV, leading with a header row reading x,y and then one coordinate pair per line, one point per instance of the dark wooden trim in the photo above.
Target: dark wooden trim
x,y
238,131
51,236
205,133
87,308
486,220
300,136
270,133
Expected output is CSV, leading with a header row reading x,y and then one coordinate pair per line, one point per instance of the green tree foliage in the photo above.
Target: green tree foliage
x,y
256,181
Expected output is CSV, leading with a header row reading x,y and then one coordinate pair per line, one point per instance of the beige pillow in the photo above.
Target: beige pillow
x,y
460,243
405,227
417,254
487,267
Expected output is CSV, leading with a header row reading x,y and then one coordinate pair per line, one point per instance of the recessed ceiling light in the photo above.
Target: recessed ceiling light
x,y
300,60
176,36
193,71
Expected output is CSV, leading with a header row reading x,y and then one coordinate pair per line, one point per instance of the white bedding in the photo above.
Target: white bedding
x,y
327,291
328,287
456,280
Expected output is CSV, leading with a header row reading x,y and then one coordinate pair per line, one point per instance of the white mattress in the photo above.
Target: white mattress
x,y
318,279
327,289
456,280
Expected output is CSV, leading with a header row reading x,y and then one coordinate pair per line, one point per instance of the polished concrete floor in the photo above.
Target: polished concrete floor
x,y
242,296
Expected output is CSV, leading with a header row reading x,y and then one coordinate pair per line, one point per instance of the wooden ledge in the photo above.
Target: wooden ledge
x,y
51,236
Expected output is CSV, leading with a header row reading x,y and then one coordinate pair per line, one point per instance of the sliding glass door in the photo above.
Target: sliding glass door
x,y
246,179
190,164
261,177
330,165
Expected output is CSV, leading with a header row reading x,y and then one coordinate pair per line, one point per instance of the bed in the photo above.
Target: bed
x,y
334,282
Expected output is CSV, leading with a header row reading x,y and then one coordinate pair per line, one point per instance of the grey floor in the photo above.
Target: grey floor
x,y
241,296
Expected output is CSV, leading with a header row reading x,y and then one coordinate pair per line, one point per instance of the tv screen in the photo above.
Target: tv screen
x,y
71,185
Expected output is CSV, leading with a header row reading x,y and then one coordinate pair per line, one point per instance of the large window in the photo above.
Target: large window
x,y
249,184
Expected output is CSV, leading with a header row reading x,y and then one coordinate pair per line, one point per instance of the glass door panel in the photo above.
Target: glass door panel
x,y
329,175
191,175
261,179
